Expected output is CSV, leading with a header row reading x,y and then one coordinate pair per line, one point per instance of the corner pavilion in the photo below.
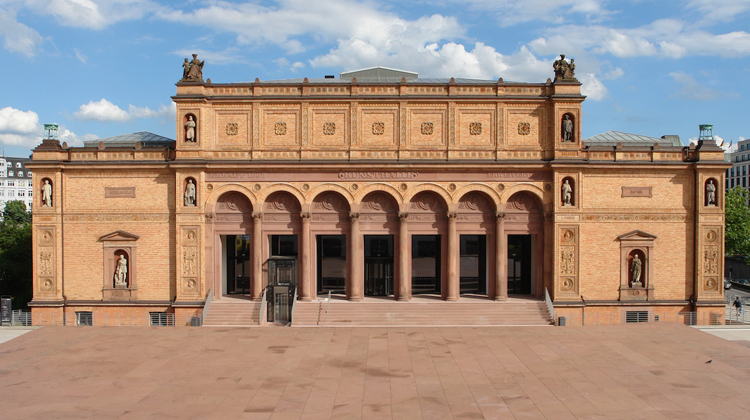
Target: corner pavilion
x,y
378,187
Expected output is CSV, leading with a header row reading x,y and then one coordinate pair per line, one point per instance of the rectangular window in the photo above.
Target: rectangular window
x,y
85,318
2,193
10,173
30,193
22,193
11,193
636,316
21,183
11,183
2,183
732,171
20,173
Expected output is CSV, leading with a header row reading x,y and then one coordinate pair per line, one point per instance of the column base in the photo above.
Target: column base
x,y
306,299
403,299
501,299
451,299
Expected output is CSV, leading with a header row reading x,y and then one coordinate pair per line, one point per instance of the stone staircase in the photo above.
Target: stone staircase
x,y
467,312
232,312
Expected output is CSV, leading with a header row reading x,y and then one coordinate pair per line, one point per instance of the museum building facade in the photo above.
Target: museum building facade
x,y
378,184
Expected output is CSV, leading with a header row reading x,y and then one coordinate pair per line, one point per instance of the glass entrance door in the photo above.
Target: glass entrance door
x,y
378,265
519,264
331,263
282,277
425,264
238,264
473,264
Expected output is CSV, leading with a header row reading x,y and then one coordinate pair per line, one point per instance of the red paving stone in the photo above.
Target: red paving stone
x,y
647,371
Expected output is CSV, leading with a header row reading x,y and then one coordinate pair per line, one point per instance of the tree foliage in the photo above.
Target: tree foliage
x,y
15,254
737,235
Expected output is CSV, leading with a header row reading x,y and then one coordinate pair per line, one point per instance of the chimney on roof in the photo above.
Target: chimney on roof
x,y
330,76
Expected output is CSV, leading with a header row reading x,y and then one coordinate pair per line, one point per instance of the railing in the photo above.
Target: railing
x,y
262,316
294,304
686,318
100,319
550,306
328,306
209,298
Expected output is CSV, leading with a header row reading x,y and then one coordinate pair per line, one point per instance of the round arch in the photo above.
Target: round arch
x,y
282,186
524,187
492,195
213,197
412,192
379,187
323,188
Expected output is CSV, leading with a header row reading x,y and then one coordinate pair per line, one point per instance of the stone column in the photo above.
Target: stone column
x,y
453,256
304,286
501,258
257,291
354,289
404,258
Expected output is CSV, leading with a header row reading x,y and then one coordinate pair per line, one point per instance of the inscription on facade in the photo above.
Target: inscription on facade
x,y
636,191
237,175
119,192
378,175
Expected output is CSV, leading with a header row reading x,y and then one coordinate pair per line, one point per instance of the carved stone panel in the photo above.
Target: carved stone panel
x,y
567,262
189,263
711,259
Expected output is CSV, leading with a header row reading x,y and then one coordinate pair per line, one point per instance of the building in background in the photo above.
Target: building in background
x,y
409,200
737,175
15,181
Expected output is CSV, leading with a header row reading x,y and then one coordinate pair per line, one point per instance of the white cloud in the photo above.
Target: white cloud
x,y
105,111
691,89
592,87
256,24
17,37
73,139
218,58
512,12
79,55
664,38
723,10
91,14
19,128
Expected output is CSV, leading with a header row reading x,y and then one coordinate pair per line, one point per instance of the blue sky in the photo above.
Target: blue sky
x,y
103,68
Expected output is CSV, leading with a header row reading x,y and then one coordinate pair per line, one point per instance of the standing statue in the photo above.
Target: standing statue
x,y
185,69
190,129
571,72
710,193
47,194
567,193
635,270
190,194
567,128
121,272
195,70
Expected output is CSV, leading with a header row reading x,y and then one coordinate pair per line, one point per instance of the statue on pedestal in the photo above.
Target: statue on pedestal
x,y
190,129
710,193
567,193
190,194
121,272
192,71
567,128
47,194
563,69
635,271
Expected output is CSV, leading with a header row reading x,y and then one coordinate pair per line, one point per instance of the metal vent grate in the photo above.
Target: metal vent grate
x,y
85,318
636,316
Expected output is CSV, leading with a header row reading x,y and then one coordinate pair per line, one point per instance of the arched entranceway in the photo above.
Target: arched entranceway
x,y
477,244
234,244
524,240
329,228
286,248
379,225
428,227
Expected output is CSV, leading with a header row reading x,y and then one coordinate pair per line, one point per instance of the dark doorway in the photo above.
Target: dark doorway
x,y
473,264
519,264
378,265
282,277
238,264
331,263
425,264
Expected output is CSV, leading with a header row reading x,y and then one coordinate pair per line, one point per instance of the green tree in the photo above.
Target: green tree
x,y
737,235
15,254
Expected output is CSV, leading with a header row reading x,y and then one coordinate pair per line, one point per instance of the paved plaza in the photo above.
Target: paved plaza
x,y
646,371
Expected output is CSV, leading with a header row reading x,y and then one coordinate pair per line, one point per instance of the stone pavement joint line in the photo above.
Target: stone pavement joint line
x,y
645,371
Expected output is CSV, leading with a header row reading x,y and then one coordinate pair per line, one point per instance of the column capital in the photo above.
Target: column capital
x,y
305,216
452,216
501,216
354,216
257,216
549,215
404,216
